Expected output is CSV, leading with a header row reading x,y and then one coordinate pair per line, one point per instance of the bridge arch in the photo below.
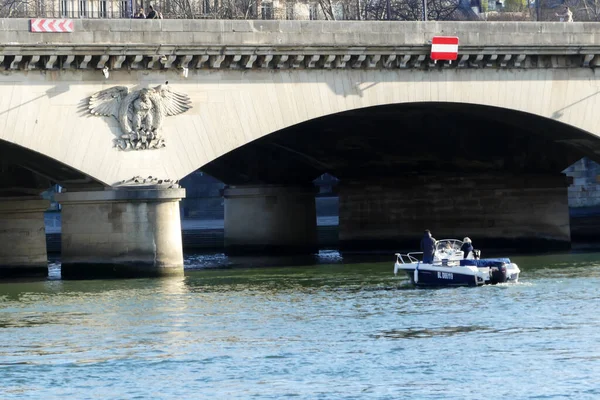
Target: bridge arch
x,y
453,167
232,108
408,138
27,172
566,96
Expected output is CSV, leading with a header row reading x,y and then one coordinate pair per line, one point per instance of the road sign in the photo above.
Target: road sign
x,y
444,48
51,25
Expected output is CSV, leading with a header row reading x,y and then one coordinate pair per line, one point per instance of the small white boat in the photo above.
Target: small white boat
x,y
450,268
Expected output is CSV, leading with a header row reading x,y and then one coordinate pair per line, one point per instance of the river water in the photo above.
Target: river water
x,y
328,331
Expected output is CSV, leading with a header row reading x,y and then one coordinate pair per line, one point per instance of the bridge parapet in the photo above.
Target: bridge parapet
x,y
223,44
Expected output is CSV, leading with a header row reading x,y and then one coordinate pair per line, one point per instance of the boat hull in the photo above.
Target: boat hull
x,y
441,278
438,275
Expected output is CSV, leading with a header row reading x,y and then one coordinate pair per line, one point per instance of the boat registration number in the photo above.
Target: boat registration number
x,y
445,275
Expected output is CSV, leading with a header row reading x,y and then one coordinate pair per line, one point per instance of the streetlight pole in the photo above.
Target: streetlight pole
x,y
388,9
424,10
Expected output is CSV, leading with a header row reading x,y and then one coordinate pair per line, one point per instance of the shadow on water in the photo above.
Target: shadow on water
x,y
326,270
326,256
416,333
446,331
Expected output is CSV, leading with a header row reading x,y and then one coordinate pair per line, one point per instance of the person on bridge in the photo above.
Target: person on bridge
x,y
467,247
152,14
140,14
566,16
428,247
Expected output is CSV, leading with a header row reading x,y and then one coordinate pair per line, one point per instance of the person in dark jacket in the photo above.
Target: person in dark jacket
x,y
467,247
152,14
427,247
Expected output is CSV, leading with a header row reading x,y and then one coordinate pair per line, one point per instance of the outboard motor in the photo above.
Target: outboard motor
x,y
498,273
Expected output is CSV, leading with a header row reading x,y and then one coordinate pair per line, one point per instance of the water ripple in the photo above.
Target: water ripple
x,y
339,331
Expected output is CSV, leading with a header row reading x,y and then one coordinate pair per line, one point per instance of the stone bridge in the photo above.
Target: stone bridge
x,y
474,146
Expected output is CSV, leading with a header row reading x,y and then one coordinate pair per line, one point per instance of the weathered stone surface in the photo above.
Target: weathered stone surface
x,y
584,189
270,218
121,233
494,209
23,237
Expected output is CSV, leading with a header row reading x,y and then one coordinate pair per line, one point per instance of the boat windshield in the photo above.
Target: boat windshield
x,y
448,244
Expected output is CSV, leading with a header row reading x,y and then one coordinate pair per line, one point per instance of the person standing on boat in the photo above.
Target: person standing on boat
x,y
467,247
427,247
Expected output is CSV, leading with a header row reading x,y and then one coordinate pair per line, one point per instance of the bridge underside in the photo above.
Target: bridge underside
x,y
458,169
25,172
24,175
396,140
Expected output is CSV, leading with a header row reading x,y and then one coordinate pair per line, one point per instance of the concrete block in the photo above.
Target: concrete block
x,y
385,27
171,25
266,26
211,25
139,25
135,37
470,39
416,38
242,26
290,27
15,24
90,25
380,39
311,26
147,25
211,38
186,25
57,37
106,37
121,25
338,27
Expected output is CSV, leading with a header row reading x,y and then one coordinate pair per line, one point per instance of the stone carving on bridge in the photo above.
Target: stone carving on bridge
x,y
140,113
149,181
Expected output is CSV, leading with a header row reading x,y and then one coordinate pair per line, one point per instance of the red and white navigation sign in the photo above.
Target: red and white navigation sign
x,y
51,25
444,48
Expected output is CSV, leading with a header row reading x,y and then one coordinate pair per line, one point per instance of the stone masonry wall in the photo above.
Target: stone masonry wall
x,y
493,208
584,191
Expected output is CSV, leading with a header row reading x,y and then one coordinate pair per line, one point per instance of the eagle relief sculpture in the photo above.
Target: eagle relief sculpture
x,y
140,113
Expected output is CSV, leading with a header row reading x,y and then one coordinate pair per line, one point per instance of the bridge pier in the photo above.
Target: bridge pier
x,y
273,219
23,237
125,232
495,210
